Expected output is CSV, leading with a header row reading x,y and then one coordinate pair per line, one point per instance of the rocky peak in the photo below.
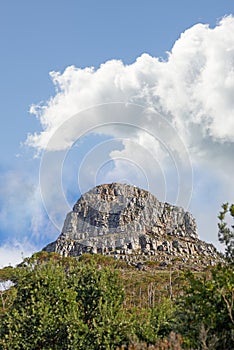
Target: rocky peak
x,y
125,221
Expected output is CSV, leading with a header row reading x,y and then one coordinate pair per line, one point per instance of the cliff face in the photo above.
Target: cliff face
x,y
129,223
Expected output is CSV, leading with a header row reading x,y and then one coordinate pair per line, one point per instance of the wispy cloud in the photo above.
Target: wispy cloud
x,y
22,215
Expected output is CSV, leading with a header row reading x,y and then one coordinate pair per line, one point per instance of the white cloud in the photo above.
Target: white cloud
x,y
193,90
12,253
194,86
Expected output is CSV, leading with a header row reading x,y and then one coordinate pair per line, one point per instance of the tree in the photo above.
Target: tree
x,y
226,234
205,311
40,314
205,314
100,297
63,304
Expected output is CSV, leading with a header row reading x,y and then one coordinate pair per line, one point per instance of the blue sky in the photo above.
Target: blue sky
x,y
40,37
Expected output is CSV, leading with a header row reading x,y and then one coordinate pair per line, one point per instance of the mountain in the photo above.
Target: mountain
x,y
131,224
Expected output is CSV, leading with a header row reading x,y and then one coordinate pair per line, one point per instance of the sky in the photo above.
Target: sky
x,y
95,92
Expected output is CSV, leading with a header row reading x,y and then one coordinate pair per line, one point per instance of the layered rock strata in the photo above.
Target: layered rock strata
x,y
131,224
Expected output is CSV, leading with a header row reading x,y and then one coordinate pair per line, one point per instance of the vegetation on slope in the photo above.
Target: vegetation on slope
x,y
96,302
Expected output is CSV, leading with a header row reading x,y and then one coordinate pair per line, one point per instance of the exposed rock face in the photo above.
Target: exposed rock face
x,y
129,223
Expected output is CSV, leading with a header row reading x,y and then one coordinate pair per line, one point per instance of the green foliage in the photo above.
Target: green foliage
x,y
40,311
205,311
62,303
226,234
63,306
153,323
100,297
6,293
95,303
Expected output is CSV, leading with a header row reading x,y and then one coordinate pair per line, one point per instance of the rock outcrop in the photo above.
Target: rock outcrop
x,y
131,224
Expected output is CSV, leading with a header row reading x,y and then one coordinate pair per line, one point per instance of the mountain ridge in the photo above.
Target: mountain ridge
x,y
131,224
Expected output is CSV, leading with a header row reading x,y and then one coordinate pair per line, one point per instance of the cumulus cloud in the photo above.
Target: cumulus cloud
x,y
194,86
186,114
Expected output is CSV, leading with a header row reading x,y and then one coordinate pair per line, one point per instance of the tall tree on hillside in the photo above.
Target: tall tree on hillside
x,y
226,233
